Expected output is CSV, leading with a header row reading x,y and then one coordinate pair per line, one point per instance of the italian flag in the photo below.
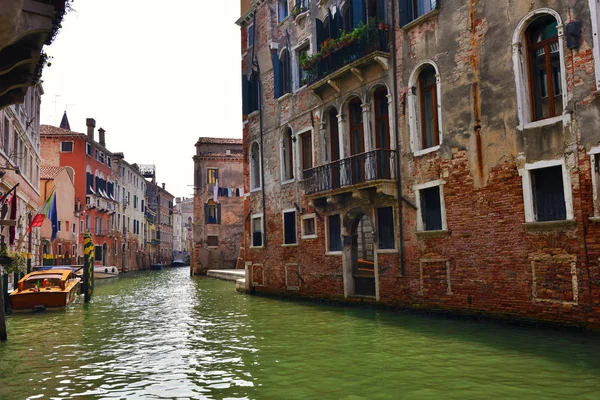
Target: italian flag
x,y
47,210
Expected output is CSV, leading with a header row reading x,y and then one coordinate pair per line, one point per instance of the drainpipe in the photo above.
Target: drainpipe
x,y
260,116
398,176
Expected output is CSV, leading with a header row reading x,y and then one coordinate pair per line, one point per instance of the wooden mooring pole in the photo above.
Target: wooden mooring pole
x,y
88,266
3,334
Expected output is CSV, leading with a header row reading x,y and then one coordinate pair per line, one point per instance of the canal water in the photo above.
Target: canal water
x,y
164,335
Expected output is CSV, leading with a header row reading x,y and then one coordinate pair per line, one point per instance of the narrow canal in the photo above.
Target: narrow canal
x,y
161,334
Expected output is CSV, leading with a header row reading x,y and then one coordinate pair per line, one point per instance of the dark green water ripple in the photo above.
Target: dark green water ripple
x,y
163,335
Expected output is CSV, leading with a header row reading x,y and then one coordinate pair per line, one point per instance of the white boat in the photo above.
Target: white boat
x,y
105,271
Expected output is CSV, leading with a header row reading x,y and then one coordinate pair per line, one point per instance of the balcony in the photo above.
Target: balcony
x,y
360,171
348,54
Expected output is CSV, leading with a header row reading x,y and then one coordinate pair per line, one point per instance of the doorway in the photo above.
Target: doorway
x,y
360,259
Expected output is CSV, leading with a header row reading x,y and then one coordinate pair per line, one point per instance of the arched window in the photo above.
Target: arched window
x,y
544,68
424,108
282,73
334,145
254,166
539,65
357,140
287,156
382,119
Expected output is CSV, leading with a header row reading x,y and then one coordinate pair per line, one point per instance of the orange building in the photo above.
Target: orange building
x,y
95,199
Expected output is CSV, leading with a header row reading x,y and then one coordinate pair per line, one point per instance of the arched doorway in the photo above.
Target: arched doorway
x,y
360,261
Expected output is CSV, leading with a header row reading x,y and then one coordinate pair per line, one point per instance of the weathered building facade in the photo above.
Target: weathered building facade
x,y
218,203
430,154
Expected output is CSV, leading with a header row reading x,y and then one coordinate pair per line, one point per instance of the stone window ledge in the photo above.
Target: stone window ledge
x,y
550,225
420,20
284,96
594,219
433,234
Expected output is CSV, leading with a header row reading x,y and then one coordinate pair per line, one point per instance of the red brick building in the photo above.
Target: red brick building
x,y
94,183
218,203
427,154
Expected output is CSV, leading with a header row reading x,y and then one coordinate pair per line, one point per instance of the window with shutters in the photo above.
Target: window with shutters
x,y
287,156
250,93
282,73
306,154
212,174
289,227
334,233
66,147
212,212
539,67
212,240
410,10
547,191
257,230
430,206
282,10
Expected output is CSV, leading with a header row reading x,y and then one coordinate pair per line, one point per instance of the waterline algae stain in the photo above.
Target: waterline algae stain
x,y
166,335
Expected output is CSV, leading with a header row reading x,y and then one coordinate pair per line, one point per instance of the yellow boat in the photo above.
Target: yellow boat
x,y
47,289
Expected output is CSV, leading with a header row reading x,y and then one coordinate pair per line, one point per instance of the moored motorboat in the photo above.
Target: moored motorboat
x,y
103,271
43,290
178,263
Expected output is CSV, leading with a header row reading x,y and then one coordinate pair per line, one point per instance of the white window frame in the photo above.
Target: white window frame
x,y
595,153
521,71
414,116
66,151
292,154
417,189
327,239
257,163
299,171
262,224
395,249
287,5
295,61
528,190
595,17
287,211
303,234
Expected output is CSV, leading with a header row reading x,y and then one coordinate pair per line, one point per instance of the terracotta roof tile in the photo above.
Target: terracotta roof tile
x,y
53,130
48,172
214,140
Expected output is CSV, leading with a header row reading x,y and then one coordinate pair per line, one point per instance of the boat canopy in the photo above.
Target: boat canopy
x,y
37,277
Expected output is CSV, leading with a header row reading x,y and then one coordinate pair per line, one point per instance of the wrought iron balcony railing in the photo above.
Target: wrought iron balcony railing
x,y
344,52
365,167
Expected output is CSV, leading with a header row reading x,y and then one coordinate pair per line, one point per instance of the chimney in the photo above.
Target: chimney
x,y
163,186
102,137
91,124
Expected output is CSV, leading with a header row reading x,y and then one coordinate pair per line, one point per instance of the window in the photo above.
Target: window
x,y
74,251
282,73
59,249
257,231
289,227
250,38
81,228
212,212
6,136
135,199
109,162
74,227
212,240
424,105
282,10
255,181
306,154
334,225
301,54
250,93
430,206
544,68
539,66
309,226
88,149
59,226
287,156
547,191
66,147
413,9
212,174
385,228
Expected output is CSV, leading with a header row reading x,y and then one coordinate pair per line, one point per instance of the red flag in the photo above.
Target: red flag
x,y
12,232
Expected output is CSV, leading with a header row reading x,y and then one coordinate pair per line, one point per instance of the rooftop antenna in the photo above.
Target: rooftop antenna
x,y
56,96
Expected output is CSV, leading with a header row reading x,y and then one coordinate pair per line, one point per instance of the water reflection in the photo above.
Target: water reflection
x,y
160,334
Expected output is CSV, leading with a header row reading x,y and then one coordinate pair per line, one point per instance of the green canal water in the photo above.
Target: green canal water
x,y
161,334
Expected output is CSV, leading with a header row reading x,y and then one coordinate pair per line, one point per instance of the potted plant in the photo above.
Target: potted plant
x,y
12,261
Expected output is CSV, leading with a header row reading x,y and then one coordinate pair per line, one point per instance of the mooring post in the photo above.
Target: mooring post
x,y
3,335
88,267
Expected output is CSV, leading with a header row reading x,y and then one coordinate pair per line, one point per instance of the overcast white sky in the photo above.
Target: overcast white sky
x,y
156,75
